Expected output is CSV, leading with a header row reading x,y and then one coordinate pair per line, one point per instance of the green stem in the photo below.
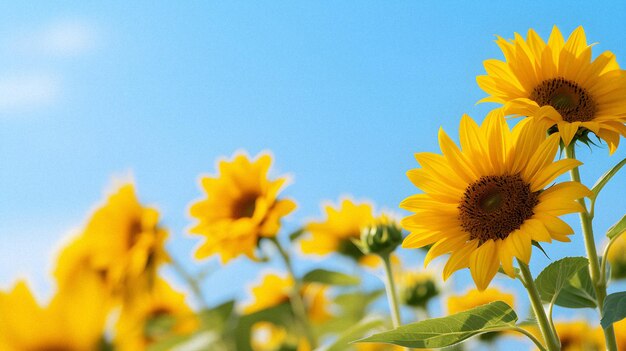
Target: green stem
x,y
597,278
531,337
548,333
392,296
605,255
295,298
193,284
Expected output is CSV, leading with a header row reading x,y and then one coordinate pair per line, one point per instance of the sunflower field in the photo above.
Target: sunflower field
x,y
486,203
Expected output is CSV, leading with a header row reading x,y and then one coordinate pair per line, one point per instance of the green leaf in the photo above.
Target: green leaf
x,y
216,318
578,292
355,331
557,275
330,278
617,228
606,177
296,234
537,245
350,309
614,309
450,330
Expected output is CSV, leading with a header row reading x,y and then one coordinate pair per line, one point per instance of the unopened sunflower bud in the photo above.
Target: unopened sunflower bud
x,y
417,289
381,238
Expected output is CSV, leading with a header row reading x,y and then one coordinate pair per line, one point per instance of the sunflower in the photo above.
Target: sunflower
x,y
74,320
158,314
274,290
336,233
487,203
241,207
122,242
559,84
474,298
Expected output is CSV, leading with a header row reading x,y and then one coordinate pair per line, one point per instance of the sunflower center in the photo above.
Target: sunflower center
x,y
494,206
245,206
572,101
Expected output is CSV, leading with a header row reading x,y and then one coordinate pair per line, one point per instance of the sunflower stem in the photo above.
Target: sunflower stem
x,y
193,283
392,296
547,331
531,337
295,298
597,277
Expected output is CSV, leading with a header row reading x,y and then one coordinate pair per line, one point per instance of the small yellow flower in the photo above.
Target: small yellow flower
x,y
274,290
474,298
122,242
617,257
156,314
241,207
335,234
487,202
559,84
73,320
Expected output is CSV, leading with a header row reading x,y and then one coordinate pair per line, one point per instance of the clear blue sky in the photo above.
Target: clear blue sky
x,y
342,93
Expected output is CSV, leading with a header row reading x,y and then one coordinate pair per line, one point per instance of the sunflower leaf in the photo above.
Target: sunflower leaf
x,y
614,309
296,234
554,278
578,292
617,228
330,278
606,177
355,331
450,330
537,245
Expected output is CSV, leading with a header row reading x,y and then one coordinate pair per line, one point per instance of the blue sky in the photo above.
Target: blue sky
x,y
342,93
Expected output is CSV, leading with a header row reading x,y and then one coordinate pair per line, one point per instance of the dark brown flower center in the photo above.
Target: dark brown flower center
x,y
245,206
494,206
572,101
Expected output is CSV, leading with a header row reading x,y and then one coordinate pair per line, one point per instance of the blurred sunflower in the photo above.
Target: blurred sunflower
x,y
74,320
241,207
122,242
337,232
620,334
559,84
155,315
274,290
378,347
576,336
474,298
266,336
417,288
486,203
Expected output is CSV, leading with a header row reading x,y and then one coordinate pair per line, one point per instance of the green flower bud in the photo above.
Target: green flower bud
x,y
417,289
381,238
